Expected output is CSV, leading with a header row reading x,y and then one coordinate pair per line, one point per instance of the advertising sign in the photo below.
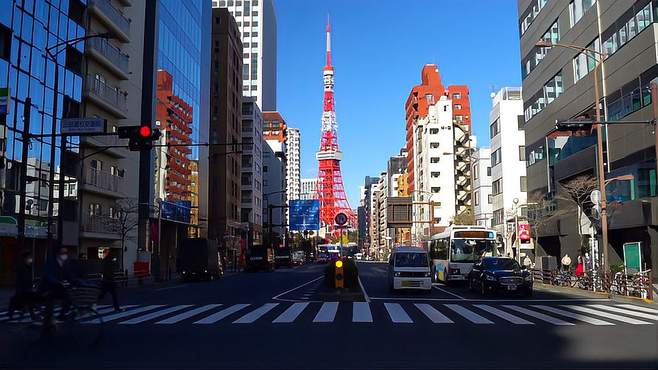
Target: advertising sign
x,y
524,231
304,214
633,256
178,210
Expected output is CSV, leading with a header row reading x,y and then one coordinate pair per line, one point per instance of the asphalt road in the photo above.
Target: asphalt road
x,y
278,320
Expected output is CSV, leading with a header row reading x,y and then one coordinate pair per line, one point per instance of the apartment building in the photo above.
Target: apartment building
x,y
293,168
308,188
252,171
482,198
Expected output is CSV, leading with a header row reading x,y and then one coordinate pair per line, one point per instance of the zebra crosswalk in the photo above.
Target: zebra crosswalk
x,y
368,313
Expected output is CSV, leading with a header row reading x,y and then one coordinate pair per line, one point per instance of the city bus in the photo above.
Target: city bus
x,y
327,252
453,252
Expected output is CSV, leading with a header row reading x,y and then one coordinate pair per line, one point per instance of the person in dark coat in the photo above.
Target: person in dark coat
x,y
108,284
25,296
57,275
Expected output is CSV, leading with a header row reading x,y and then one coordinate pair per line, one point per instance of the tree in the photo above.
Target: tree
x,y
575,194
464,218
125,219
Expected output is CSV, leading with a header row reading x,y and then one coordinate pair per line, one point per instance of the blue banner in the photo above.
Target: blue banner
x,y
304,214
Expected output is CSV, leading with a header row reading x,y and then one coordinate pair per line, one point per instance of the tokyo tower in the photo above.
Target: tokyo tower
x,y
330,189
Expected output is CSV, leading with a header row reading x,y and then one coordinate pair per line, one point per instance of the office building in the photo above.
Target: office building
x,y
481,172
252,171
293,147
308,188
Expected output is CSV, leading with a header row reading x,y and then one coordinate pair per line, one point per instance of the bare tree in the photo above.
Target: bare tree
x,y
125,219
575,193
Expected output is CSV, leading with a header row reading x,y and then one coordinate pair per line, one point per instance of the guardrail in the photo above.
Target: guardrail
x,y
621,283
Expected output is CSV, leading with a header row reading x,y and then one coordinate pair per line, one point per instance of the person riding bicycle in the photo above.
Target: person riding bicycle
x,y
57,276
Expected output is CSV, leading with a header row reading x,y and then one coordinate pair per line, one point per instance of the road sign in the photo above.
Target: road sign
x,y
83,126
633,256
304,214
4,100
340,219
595,196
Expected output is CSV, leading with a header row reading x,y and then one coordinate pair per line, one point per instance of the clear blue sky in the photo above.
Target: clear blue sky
x,y
379,48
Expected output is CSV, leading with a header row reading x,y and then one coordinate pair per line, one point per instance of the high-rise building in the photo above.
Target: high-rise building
x,y
274,195
308,188
225,128
293,169
256,20
396,167
558,84
508,165
252,170
421,98
275,134
481,172
369,186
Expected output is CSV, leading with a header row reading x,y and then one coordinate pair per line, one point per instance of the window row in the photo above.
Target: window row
x,y
551,91
628,26
578,8
538,53
586,61
530,14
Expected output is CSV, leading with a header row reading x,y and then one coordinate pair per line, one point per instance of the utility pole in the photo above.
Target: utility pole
x,y
23,174
654,107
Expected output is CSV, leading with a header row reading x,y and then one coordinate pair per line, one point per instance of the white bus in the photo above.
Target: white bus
x,y
453,252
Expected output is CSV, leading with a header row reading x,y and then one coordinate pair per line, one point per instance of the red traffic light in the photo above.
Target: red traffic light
x,y
145,131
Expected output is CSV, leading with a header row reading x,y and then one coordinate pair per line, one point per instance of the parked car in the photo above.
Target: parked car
x,y
283,257
500,275
409,268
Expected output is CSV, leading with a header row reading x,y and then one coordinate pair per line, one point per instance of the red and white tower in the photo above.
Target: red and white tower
x,y
330,189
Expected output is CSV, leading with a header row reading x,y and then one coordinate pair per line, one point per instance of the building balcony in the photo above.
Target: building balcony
x,y
103,183
108,55
112,17
108,97
100,227
103,142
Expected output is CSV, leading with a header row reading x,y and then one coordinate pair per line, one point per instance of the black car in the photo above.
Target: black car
x,y
500,275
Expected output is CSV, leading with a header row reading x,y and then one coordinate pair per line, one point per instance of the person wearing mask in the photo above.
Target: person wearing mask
x,y
25,296
57,276
108,284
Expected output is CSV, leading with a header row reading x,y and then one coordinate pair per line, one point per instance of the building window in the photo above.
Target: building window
x,y
578,8
457,96
476,172
476,199
489,198
494,128
434,145
530,14
522,153
436,189
498,217
434,131
538,53
435,174
496,157
497,187
585,62
458,106
434,160
551,91
488,171
523,183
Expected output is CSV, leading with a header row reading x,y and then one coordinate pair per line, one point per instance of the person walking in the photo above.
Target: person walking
x,y
57,276
25,297
108,284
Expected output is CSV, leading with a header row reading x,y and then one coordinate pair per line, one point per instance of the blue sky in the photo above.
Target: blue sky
x,y
378,50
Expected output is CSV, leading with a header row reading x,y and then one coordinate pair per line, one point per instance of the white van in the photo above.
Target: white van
x,y
409,268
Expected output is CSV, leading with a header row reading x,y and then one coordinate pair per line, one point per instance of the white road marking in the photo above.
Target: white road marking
x,y
504,315
291,313
397,313
433,314
643,315
276,297
155,315
186,315
171,287
638,308
221,314
363,289
608,315
539,315
452,294
256,314
468,314
327,312
361,312
121,315
572,315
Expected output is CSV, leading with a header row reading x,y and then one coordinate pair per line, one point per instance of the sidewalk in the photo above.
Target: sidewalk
x,y
590,294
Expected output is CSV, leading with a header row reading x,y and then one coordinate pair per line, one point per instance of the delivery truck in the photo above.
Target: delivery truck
x,y
200,260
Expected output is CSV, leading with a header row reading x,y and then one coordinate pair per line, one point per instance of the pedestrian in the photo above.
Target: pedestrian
x,y
108,284
580,269
25,297
57,276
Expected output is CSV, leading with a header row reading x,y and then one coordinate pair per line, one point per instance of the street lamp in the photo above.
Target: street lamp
x,y
599,136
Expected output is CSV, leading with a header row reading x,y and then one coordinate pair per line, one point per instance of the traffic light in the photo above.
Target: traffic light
x,y
338,276
574,126
139,137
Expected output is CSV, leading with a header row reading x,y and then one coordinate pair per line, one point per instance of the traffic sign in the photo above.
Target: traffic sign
x,y
4,100
304,214
83,126
595,196
633,256
340,219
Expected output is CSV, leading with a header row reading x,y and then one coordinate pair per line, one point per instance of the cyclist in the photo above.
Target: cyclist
x,y
57,276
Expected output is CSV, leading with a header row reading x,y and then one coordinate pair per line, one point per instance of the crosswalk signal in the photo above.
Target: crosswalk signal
x,y
338,276
139,137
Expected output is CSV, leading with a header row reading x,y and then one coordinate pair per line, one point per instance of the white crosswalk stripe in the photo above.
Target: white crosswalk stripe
x,y
327,312
221,314
433,314
361,312
291,313
577,316
121,315
468,314
397,313
155,315
539,315
504,315
256,314
608,315
643,315
638,308
186,315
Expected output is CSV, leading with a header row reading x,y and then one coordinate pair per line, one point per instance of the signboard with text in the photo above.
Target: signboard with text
x,y
83,126
304,214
